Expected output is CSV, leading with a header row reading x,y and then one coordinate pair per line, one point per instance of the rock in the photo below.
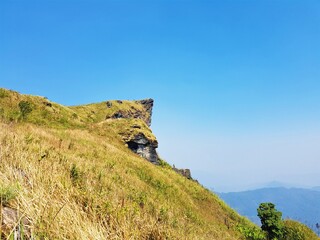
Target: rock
x,y
184,172
144,148
48,104
133,112
118,115
15,223
148,105
129,114
133,137
109,104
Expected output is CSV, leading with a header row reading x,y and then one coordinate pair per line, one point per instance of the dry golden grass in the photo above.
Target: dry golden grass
x,y
82,182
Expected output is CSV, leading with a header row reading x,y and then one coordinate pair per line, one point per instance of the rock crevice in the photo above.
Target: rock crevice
x,y
144,148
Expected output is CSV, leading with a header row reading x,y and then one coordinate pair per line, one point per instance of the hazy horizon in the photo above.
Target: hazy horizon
x,y
235,83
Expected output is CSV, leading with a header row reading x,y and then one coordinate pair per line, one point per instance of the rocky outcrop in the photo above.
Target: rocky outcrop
x,y
129,114
148,105
109,104
120,114
134,112
144,147
137,135
184,172
140,144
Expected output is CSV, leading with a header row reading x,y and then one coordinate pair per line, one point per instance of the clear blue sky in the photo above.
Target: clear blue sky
x,y
236,83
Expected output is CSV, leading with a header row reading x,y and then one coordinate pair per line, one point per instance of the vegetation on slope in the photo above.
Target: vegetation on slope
x,y
294,230
68,175
276,229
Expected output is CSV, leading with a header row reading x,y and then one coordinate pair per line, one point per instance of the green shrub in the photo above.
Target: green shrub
x,y
251,233
3,93
25,108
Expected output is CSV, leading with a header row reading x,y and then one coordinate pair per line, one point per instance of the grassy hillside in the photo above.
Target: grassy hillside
x,y
294,230
67,174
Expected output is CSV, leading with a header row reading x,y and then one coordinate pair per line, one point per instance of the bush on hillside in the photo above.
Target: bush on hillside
x,y
271,221
3,93
25,108
251,233
294,230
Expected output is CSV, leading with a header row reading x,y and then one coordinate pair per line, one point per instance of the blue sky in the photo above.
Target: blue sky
x,y
236,83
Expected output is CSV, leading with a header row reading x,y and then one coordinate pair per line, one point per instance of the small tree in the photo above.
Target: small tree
x,y
271,221
25,108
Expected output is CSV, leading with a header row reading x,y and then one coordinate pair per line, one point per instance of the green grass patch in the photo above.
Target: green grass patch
x,y
3,93
8,193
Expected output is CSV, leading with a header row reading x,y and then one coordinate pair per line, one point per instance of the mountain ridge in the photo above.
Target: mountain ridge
x,y
68,173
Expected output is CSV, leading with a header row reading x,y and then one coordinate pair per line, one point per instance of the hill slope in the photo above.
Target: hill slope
x,y
67,173
294,203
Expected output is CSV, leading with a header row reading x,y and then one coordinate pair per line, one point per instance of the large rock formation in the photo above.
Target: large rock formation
x,y
139,143
144,147
148,105
137,135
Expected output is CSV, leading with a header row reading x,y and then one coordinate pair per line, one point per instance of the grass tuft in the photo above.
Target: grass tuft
x,y
7,193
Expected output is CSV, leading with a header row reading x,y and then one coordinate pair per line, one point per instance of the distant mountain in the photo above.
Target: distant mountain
x,y
275,184
294,203
316,188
